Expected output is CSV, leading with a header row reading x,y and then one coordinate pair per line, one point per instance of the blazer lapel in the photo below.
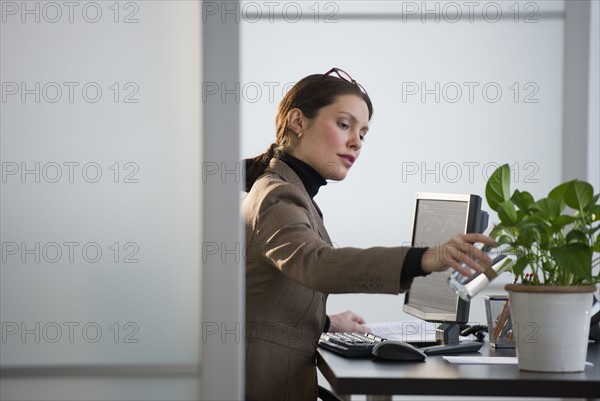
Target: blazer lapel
x,y
320,225
280,168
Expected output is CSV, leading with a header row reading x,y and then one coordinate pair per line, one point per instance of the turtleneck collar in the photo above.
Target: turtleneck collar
x,y
311,180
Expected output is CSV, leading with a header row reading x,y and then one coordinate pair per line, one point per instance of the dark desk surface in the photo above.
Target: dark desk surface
x,y
438,377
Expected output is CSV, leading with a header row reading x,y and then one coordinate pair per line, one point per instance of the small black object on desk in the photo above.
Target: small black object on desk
x,y
398,351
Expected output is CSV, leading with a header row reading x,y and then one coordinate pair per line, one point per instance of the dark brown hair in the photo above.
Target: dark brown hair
x,y
309,95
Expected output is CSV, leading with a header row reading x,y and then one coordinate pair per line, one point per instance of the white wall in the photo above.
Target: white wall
x,y
418,142
141,132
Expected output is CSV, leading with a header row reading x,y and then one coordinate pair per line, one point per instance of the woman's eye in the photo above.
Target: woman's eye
x,y
362,138
344,125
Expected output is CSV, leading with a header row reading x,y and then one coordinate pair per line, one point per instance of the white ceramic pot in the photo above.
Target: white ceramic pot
x,y
551,326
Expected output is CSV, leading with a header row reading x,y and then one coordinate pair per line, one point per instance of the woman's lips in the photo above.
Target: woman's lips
x,y
348,160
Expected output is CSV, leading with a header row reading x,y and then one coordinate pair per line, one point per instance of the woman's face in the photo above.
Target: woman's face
x,y
331,142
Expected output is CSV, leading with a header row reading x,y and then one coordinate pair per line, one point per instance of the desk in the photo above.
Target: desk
x,y
438,377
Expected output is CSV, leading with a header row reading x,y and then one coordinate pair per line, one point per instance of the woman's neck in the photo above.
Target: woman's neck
x,y
311,180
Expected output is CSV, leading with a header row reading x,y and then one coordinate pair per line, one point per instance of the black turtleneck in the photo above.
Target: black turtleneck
x,y
312,181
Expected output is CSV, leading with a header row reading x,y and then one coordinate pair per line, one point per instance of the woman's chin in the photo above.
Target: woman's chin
x,y
339,176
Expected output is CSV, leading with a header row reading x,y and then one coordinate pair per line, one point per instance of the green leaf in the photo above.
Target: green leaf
x,y
507,213
545,241
548,208
538,228
519,266
497,189
597,244
498,229
577,237
595,212
536,222
562,221
529,236
504,240
579,195
523,200
575,259
548,266
558,194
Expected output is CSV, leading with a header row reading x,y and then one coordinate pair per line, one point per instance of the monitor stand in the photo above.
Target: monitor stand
x,y
448,338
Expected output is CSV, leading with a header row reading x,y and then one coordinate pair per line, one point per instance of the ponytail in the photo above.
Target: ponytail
x,y
255,167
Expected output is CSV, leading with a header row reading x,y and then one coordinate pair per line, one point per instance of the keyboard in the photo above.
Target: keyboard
x,y
356,345
353,345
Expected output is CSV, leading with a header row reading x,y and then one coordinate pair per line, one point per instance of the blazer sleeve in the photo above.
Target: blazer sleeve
x,y
284,234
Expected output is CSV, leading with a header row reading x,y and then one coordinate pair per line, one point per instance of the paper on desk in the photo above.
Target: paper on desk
x,y
404,330
487,360
482,360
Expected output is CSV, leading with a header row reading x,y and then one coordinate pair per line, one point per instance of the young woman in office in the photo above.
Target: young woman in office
x,y
291,264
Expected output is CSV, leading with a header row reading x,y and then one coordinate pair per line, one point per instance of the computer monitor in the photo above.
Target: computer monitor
x,y
437,218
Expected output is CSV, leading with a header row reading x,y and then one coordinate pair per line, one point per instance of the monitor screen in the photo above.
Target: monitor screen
x,y
438,217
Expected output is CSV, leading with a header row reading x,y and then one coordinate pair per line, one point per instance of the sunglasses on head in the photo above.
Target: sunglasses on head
x,y
346,77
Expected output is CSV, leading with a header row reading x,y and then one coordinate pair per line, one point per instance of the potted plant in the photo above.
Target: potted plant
x,y
555,243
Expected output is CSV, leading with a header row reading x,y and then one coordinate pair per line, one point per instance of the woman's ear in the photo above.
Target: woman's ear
x,y
296,121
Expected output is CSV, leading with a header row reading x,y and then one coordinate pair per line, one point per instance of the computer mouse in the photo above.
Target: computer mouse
x,y
398,351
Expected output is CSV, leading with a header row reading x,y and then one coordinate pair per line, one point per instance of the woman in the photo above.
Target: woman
x,y
291,265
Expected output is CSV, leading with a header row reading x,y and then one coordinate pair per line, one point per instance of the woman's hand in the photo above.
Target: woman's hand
x,y
456,252
347,322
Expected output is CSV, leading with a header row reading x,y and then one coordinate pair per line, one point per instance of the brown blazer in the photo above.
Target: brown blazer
x,y
291,267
